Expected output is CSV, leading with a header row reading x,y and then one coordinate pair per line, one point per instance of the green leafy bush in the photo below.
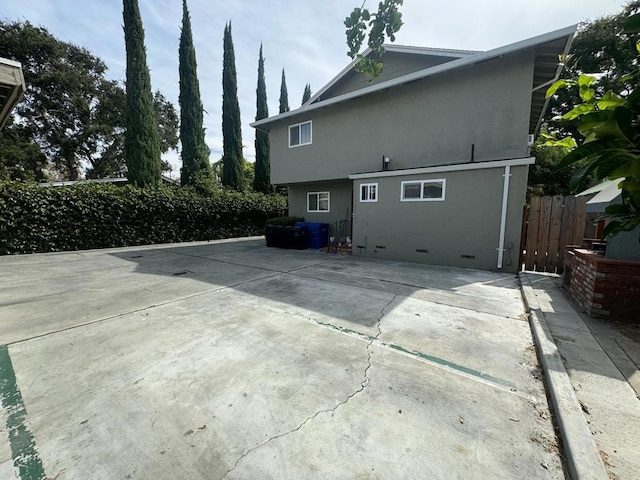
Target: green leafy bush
x,y
47,219
284,221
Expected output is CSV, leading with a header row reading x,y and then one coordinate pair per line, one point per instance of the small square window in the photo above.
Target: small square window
x,y
300,134
318,201
369,192
423,190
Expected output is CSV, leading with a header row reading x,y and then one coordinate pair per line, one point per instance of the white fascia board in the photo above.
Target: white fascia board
x,y
444,67
459,167
567,49
11,63
435,52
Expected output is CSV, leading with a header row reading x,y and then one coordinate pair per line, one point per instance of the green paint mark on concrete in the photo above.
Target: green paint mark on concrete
x,y
424,356
23,445
455,366
346,330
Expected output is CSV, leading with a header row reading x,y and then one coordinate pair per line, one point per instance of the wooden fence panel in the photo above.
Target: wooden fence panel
x,y
567,232
551,224
543,234
554,233
579,222
532,233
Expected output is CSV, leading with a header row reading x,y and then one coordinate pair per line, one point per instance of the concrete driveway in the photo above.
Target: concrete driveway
x,y
230,360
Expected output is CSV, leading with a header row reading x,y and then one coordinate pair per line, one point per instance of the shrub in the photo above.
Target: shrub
x,y
284,221
48,219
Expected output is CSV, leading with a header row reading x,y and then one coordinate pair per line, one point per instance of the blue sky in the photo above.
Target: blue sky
x,y
306,37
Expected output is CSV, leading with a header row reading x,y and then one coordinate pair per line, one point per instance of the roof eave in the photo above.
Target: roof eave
x,y
445,67
17,90
559,68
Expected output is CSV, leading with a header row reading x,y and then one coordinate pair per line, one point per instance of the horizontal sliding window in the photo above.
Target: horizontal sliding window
x,y
423,190
318,201
300,134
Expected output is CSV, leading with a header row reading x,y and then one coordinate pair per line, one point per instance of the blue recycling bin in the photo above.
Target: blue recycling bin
x,y
318,234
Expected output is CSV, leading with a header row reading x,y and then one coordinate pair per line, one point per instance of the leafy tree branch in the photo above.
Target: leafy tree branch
x,y
385,23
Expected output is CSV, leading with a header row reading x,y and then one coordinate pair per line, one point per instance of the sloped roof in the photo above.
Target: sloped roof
x,y
426,51
548,48
12,87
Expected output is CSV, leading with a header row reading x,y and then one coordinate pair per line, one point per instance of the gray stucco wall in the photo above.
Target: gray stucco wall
x,y
466,223
340,201
433,121
624,246
396,64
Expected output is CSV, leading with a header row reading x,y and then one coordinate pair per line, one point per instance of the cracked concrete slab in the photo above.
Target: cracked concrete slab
x,y
481,294
600,372
261,370
436,429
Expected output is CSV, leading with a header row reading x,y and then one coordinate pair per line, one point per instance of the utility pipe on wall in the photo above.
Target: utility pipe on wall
x,y
503,216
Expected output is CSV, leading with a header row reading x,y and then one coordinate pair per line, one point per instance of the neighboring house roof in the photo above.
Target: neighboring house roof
x,y
604,194
114,180
12,87
547,47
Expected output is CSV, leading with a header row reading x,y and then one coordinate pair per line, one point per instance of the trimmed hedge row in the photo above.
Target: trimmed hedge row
x,y
48,219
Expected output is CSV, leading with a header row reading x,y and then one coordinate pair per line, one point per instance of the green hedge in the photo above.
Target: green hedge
x,y
49,219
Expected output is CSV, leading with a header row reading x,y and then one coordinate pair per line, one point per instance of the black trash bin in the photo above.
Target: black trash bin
x,y
287,237
268,235
299,238
277,235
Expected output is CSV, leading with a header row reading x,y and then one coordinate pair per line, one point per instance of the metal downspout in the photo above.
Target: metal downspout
x,y
503,216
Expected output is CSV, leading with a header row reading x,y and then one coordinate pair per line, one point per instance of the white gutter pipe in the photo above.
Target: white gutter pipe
x,y
503,216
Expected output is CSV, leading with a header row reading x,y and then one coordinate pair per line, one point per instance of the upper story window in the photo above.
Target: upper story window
x,y
423,190
318,202
300,134
369,192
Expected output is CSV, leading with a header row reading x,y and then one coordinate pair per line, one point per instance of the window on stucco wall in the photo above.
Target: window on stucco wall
x,y
318,202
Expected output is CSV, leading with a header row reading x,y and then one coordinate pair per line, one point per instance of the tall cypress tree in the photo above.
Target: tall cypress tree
x,y
141,144
195,154
232,161
261,180
307,93
284,96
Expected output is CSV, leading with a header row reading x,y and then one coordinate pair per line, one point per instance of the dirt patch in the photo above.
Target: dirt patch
x,y
605,460
629,330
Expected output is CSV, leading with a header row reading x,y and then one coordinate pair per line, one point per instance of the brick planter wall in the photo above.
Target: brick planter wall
x,y
608,289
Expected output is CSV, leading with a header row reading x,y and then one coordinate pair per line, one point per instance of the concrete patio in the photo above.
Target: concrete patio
x,y
230,360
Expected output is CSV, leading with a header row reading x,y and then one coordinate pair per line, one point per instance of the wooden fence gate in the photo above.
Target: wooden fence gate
x,y
550,224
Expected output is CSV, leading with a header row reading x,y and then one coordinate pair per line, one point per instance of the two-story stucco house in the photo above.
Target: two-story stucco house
x,y
430,160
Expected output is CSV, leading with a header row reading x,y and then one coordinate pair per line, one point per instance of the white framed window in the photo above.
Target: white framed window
x,y
300,134
423,190
369,192
318,202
